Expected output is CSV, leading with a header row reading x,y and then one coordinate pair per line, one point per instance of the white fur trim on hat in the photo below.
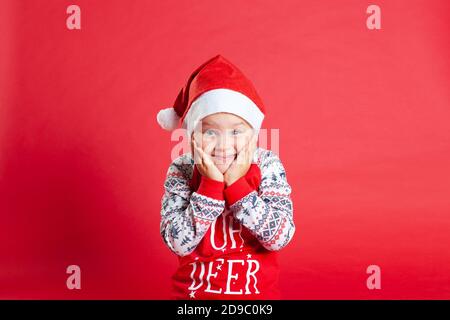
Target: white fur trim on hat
x,y
223,100
168,119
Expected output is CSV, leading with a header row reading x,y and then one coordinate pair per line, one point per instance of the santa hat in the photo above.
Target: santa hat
x,y
215,86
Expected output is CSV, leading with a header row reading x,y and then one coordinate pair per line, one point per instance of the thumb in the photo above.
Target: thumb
x,y
209,148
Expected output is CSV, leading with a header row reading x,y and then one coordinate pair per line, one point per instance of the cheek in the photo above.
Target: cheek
x,y
241,141
207,142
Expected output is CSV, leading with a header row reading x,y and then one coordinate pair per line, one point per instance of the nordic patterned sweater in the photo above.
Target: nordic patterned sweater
x,y
227,238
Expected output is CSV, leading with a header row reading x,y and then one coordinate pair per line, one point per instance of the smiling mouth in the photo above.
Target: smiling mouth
x,y
224,158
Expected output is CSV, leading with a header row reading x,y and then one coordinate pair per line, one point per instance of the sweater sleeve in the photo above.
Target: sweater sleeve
x,y
267,214
185,215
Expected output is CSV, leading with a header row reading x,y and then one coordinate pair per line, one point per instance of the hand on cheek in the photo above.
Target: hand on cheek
x,y
203,161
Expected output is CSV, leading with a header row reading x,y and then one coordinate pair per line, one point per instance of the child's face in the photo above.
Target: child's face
x,y
224,135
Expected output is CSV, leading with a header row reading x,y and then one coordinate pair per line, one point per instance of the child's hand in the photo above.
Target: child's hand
x,y
204,162
241,164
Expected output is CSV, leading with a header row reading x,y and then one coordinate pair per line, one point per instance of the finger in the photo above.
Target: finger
x,y
209,147
246,151
198,141
197,153
255,139
253,146
232,166
193,149
242,155
206,158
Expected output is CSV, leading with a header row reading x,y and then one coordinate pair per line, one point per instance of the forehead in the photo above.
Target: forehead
x,y
223,120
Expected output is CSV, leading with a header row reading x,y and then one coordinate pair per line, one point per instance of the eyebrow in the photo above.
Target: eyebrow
x,y
207,123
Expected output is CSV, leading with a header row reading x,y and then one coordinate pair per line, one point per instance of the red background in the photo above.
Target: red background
x,y
364,136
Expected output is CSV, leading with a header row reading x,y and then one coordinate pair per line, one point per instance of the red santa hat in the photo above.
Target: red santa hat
x,y
215,86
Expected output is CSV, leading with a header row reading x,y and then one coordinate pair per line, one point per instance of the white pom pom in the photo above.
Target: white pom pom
x,y
168,119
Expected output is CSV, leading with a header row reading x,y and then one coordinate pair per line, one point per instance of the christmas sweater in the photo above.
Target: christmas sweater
x,y
227,238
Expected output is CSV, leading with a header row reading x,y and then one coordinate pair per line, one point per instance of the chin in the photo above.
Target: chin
x,y
223,167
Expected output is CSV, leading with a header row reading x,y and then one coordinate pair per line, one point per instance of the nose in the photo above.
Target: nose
x,y
224,146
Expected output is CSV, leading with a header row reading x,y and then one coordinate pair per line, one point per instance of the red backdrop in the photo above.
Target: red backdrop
x,y
364,136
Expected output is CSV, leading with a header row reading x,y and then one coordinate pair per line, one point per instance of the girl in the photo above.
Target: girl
x,y
226,209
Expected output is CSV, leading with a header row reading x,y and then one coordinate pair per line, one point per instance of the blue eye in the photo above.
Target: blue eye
x,y
210,132
235,132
